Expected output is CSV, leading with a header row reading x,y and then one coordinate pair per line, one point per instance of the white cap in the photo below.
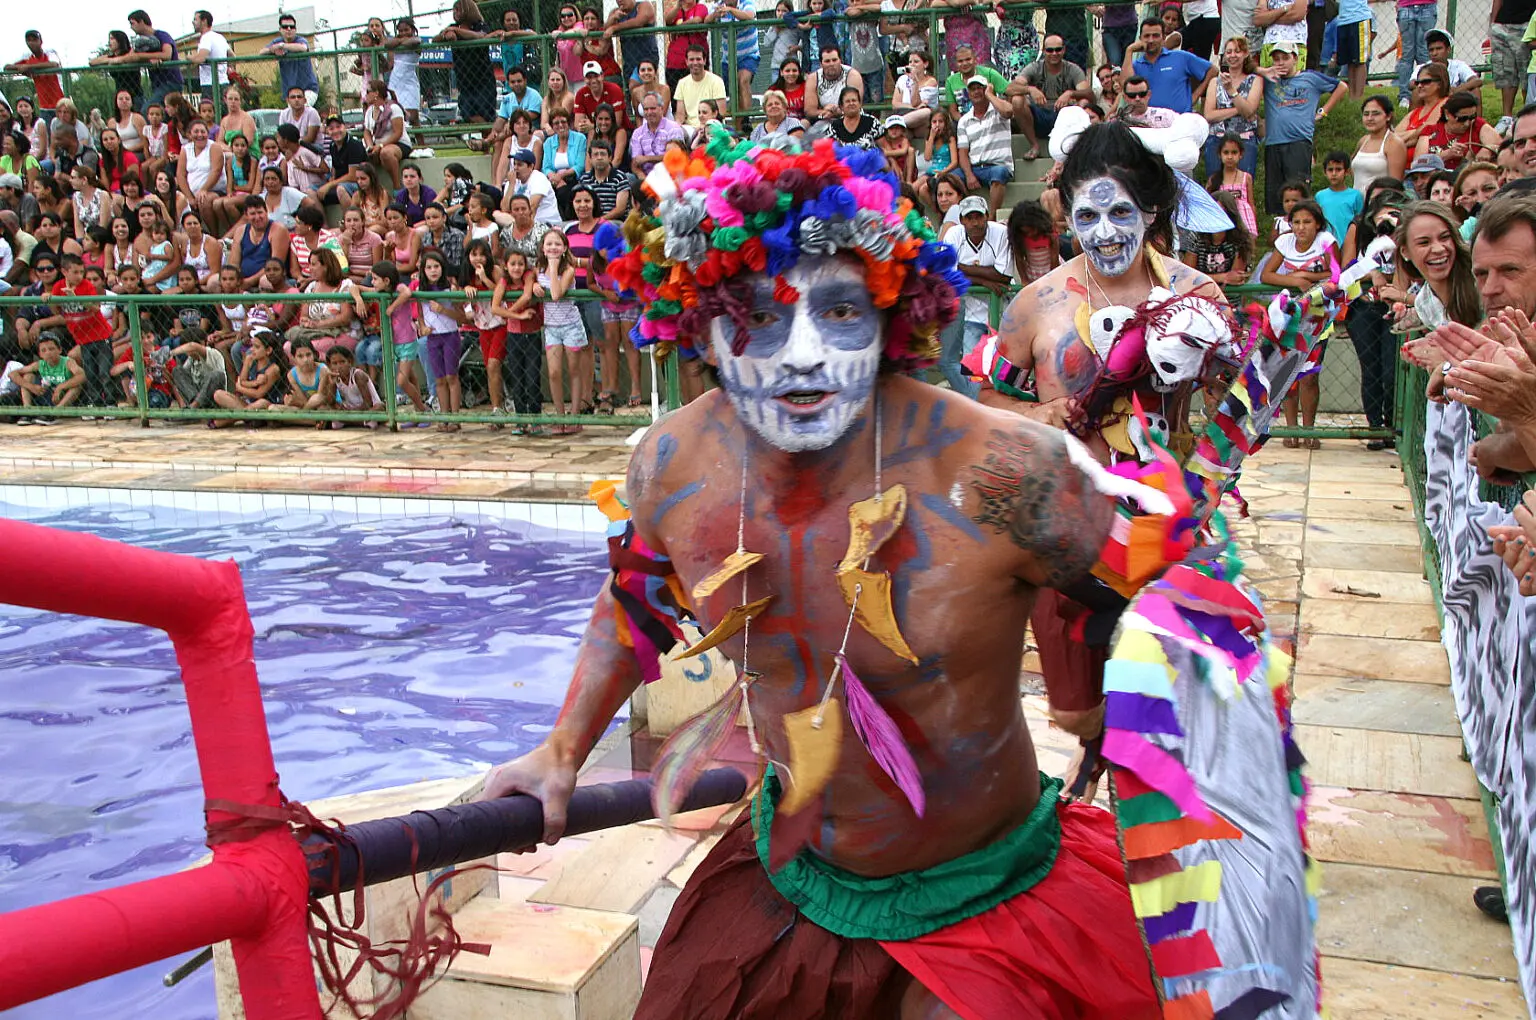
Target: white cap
x,y
895,120
973,204
592,67
976,79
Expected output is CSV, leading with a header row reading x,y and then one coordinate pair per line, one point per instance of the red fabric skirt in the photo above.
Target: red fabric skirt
x,y
1068,949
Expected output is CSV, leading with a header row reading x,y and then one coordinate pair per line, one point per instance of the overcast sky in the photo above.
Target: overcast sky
x,y
61,23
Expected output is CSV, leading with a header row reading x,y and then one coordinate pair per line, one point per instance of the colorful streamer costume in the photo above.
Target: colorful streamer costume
x,y
1207,779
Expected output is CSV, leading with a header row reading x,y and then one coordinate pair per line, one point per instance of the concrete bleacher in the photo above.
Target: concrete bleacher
x,y
1025,187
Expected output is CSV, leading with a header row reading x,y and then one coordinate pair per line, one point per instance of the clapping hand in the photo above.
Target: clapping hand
x,y
1498,377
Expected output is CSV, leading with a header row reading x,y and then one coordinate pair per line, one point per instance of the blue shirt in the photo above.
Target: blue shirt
x,y
296,71
1173,78
1354,11
1290,106
510,104
1340,207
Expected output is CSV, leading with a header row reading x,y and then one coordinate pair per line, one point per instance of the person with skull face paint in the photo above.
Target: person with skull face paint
x,y
1116,340
813,310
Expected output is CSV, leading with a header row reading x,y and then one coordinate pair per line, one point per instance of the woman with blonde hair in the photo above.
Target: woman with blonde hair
x,y
1232,105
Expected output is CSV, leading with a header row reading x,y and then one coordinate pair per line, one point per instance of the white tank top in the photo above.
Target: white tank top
x,y
198,166
197,260
130,136
1368,166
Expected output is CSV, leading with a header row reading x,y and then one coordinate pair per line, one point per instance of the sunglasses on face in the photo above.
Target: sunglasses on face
x,y
1135,95
1055,49
1426,81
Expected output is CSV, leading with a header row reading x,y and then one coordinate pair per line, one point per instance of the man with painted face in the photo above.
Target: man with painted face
x,y
903,834
1120,200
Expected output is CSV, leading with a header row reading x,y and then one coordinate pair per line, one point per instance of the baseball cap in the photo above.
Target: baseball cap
x,y
973,204
894,120
976,79
1429,163
1284,46
523,156
11,181
592,67
1436,35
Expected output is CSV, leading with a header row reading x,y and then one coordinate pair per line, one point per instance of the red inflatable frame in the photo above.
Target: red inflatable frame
x,y
255,892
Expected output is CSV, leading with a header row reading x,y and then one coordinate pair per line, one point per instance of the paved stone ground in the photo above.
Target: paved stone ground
x,y
1332,544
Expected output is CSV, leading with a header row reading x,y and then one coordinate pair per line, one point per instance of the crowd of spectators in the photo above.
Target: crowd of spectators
x,y
162,194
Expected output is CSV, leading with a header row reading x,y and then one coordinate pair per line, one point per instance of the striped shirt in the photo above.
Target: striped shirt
x,y
607,190
746,38
987,138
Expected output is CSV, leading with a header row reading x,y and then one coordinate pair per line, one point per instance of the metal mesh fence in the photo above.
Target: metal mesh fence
x,y
169,359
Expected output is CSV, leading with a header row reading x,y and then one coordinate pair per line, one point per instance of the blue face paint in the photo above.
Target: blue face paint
x,y
807,369
1109,225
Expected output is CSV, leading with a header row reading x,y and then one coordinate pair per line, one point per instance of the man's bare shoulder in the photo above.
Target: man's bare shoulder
x,y
655,466
1021,320
1023,482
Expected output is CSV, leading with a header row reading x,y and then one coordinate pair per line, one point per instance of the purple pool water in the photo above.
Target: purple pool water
x,y
389,650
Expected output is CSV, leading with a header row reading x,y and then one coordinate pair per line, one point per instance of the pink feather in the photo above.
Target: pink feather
x,y
688,751
882,739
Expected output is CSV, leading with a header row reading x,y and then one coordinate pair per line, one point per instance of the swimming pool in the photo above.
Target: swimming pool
x,y
396,640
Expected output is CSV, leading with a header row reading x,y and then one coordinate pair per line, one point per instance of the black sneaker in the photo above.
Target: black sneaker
x,y
1490,900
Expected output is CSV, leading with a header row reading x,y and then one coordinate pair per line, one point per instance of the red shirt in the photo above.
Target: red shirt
x,y
48,90
677,45
586,102
1439,138
85,322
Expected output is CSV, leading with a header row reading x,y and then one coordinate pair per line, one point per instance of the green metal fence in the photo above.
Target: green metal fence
x,y
662,374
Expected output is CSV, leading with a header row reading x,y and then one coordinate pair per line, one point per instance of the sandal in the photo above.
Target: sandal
x,y
1291,442
1314,443
605,402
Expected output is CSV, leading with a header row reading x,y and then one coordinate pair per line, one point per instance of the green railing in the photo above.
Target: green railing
x,y
390,415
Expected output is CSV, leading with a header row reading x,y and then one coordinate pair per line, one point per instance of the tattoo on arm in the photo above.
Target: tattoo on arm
x,y
1028,489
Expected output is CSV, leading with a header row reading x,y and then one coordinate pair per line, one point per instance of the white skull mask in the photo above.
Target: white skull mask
x,y
1156,427
1191,329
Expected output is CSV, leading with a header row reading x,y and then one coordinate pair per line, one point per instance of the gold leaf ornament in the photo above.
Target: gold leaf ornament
x,y
872,522
731,624
873,609
736,563
813,753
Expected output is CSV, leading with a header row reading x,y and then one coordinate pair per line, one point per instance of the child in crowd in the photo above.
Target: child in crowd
x,y
306,379
437,331
97,278
160,261
1032,234
619,314
94,245
565,338
1294,192
370,344
384,278
200,373
262,378
90,331
349,387
157,365
128,283
1235,180
156,139
524,321
234,319
491,329
271,157
897,147
191,314
1341,203
50,381
1224,255
1304,256
458,182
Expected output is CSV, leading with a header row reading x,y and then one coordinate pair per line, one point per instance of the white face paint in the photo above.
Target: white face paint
x,y
1108,224
808,368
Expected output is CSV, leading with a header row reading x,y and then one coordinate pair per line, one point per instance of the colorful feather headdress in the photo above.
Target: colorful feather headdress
x,y
735,207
